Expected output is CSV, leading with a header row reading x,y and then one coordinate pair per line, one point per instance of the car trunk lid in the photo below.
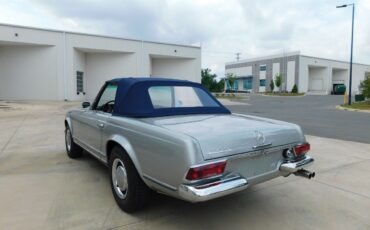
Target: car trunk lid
x,y
226,135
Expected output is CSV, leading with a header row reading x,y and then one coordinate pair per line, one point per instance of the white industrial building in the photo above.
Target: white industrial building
x,y
43,64
312,75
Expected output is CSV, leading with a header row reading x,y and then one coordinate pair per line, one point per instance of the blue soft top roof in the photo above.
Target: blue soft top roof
x,y
133,100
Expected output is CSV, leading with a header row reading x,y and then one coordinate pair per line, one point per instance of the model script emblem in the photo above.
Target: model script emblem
x,y
260,138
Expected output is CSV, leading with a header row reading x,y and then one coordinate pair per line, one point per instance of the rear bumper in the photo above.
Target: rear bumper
x,y
292,167
212,190
232,184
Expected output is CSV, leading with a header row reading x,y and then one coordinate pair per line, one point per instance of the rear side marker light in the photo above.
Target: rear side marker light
x,y
206,171
301,149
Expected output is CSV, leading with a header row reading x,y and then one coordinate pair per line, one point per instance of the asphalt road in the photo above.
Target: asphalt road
x,y
316,115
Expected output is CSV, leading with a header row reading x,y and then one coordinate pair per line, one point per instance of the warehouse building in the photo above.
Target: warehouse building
x,y
43,64
312,75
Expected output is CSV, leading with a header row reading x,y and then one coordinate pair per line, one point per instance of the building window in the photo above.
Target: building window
x,y
80,82
263,82
248,83
234,86
263,67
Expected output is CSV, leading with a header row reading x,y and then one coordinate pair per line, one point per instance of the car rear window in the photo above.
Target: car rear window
x,y
179,96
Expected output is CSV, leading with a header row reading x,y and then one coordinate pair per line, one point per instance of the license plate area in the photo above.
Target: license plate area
x,y
256,163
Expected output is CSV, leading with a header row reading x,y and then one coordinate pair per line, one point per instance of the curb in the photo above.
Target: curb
x,y
264,95
339,107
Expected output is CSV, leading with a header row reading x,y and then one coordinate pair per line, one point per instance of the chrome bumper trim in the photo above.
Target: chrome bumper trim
x,y
213,190
293,167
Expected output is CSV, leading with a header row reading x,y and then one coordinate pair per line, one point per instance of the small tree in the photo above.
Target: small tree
x,y
272,86
278,80
295,89
220,86
365,87
230,78
209,80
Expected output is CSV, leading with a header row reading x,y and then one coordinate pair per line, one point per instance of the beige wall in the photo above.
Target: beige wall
x,y
100,58
290,80
330,75
175,68
120,65
240,72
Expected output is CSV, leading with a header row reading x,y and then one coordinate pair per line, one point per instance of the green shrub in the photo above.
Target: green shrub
x,y
278,80
295,89
272,86
365,87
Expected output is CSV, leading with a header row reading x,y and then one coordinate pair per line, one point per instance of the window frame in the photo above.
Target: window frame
x,y
264,66
80,73
98,97
246,81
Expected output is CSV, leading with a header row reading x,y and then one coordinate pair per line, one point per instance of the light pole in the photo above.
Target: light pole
x,y
350,62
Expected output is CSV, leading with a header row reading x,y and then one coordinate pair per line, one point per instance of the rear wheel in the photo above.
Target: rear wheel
x,y
129,191
73,150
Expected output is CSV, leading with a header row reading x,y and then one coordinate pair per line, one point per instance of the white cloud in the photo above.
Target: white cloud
x,y
223,28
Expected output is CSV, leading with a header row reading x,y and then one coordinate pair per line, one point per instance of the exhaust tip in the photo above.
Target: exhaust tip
x,y
305,173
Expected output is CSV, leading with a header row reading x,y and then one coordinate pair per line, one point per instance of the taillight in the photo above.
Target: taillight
x,y
206,171
301,149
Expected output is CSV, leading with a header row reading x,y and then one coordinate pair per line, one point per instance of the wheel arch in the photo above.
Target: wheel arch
x,y
123,143
68,123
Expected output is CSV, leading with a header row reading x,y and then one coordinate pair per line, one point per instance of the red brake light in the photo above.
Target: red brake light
x,y
206,171
301,149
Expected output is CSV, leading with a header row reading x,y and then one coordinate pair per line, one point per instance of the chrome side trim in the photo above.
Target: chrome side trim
x,y
261,146
292,167
199,193
90,151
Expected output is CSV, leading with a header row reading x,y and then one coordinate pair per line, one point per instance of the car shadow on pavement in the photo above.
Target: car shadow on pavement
x,y
162,209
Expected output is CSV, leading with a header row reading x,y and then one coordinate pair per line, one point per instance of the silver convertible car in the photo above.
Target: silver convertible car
x,y
174,137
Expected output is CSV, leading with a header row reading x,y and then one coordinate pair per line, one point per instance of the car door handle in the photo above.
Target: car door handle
x,y
101,125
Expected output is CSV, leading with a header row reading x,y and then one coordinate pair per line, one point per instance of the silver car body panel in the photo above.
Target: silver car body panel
x,y
225,135
164,148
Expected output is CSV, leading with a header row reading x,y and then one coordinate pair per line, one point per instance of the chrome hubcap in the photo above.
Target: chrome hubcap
x,y
68,140
119,178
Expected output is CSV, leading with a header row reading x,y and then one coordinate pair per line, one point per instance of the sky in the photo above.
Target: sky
x,y
222,28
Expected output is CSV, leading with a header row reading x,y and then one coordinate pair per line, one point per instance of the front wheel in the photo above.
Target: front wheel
x,y
129,191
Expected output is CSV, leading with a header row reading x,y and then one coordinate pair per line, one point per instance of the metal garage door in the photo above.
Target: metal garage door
x,y
316,84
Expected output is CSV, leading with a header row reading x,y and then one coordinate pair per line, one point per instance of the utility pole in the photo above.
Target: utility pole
x,y
351,56
238,56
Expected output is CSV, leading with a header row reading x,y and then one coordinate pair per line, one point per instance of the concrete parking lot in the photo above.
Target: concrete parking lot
x,y
41,188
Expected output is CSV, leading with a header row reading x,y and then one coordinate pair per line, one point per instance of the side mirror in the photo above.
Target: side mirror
x,y
85,104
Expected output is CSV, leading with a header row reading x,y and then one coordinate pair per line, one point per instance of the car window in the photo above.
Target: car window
x,y
179,96
107,98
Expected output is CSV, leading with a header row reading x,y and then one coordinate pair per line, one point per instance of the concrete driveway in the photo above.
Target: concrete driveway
x,y
41,188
